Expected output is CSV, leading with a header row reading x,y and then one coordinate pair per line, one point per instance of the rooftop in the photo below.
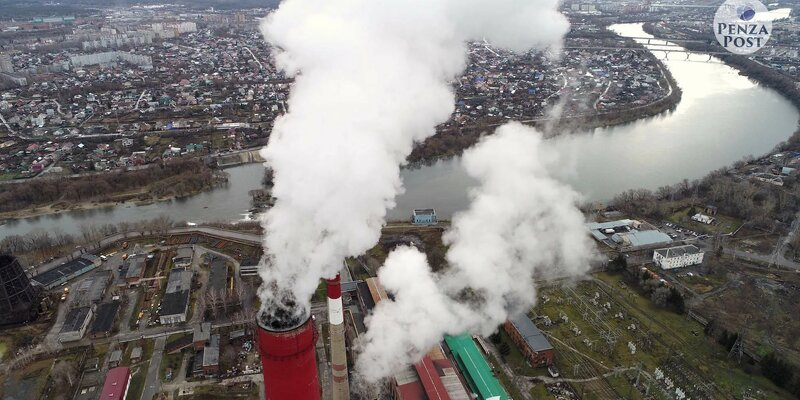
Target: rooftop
x,y
475,368
175,303
63,270
424,211
678,251
532,335
211,352
104,317
75,319
179,280
116,385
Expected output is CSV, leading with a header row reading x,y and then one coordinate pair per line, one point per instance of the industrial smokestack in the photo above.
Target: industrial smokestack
x,y
341,385
286,339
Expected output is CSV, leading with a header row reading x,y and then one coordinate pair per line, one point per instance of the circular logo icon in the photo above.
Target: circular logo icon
x,y
742,26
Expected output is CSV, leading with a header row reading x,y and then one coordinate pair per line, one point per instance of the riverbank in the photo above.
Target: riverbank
x,y
452,142
50,196
760,73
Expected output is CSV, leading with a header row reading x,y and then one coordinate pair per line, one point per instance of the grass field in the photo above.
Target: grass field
x,y
722,223
662,338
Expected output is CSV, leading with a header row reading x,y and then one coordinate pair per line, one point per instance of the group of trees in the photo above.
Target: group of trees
x,y
171,178
661,295
757,204
38,245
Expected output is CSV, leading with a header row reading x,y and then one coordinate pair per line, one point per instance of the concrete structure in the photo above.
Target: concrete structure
x,y
288,357
424,216
678,257
118,381
476,370
534,346
175,303
5,63
19,299
75,324
111,57
183,257
340,387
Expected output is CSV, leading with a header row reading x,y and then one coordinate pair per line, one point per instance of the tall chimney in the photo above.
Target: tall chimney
x,y
288,357
340,386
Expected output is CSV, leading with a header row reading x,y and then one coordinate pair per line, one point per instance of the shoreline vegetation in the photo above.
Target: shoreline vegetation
x,y
163,182
452,141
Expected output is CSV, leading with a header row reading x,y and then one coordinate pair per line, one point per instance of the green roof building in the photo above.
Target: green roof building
x,y
475,369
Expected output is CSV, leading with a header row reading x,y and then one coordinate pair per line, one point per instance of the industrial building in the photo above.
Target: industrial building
x,y
75,324
134,268
206,361
678,257
105,316
534,346
19,299
67,271
433,377
637,239
183,257
118,381
425,216
475,369
175,303
248,267
91,290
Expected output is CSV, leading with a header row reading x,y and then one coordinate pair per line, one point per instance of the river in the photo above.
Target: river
x,y
721,118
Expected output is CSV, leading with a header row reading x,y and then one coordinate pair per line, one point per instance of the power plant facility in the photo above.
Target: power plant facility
x,y
19,300
286,346
340,388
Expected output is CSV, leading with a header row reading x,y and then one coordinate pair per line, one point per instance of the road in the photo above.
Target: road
x,y
248,238
152,383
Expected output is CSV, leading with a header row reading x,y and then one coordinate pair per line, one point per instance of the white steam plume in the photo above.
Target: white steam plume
x,y
522,224
370,79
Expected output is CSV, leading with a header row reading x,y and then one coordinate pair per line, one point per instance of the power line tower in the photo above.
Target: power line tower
x,y
738,348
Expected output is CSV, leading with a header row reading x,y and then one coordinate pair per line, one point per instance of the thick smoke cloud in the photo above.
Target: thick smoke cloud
x,y
370,79
521,225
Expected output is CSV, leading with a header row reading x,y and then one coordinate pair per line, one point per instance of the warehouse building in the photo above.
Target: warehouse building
x,y
678,257
175,303
118,380
475,369
534,346
67,271
104,320
75,324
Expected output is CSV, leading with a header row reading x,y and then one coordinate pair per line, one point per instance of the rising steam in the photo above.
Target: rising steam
x,y
521,224
370,79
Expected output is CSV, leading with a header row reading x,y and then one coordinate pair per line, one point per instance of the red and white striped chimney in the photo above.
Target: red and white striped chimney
x,y
340,384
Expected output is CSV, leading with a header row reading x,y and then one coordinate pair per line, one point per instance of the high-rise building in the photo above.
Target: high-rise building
x,y
19,300
5,63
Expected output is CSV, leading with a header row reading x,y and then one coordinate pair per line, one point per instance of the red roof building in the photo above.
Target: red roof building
x,y
117,382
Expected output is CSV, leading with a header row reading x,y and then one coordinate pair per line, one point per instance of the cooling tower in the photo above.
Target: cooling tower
x,y
18,298
340,387
286,345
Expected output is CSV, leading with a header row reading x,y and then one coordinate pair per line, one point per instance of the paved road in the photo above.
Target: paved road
x,y
221,233
152,383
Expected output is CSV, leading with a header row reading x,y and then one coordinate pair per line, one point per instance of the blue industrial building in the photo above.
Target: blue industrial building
x,y
424,216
